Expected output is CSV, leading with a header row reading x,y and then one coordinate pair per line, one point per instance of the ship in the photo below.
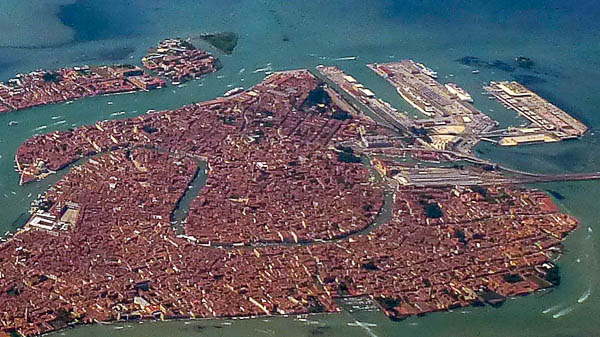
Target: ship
x,y
233,91
427,71
461,93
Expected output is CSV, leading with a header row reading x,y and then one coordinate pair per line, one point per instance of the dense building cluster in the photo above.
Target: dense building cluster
x,y
174,59
45,87
450,247
179,61
279,227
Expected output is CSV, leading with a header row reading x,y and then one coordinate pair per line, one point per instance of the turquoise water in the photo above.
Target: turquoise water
x,y
560,36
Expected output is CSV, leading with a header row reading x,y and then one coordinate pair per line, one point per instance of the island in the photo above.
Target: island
x,y
306,200
179,61
174,59
224,41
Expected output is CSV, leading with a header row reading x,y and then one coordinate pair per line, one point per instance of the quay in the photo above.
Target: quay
x,y
365,96
549,122
454,123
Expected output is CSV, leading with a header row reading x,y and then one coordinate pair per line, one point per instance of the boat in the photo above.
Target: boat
x,y
461,93
12,123
476,71
233,91
427,71
347,58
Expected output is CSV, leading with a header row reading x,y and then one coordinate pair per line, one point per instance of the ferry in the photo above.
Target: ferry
x,y
233,91
427,71
461,93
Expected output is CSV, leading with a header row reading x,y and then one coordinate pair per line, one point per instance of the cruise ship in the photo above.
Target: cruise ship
x,y
427,71
461,93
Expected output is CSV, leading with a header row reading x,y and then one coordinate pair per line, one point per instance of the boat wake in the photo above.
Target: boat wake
x,y
564,312
366,326
552,309
262,70
40,128
585,295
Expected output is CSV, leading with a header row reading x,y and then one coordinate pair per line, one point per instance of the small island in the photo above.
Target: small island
x,y
224,41
175,59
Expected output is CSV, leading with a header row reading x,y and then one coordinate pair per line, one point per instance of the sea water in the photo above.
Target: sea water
x,y
559,36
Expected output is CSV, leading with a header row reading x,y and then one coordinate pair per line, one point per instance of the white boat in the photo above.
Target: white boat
x,y
427,71
12,123
348,58
461,93
233,91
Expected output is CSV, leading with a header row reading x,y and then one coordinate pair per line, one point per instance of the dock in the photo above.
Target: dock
x,y
453,122
549,122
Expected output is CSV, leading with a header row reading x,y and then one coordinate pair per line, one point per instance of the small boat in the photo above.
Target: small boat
x,y
12,123
262,70
476,71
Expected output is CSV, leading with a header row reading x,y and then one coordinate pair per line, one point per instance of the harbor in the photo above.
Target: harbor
x,y
548,122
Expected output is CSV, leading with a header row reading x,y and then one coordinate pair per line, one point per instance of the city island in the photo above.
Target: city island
x,y
175,59
314,190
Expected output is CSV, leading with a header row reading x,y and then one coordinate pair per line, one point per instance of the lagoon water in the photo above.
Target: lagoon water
x,y
560,36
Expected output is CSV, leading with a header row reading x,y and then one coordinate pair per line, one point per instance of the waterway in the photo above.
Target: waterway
x,y
560,36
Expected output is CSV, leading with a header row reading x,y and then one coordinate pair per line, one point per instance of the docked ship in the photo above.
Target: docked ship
x,y
233,91
427,71
461,93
